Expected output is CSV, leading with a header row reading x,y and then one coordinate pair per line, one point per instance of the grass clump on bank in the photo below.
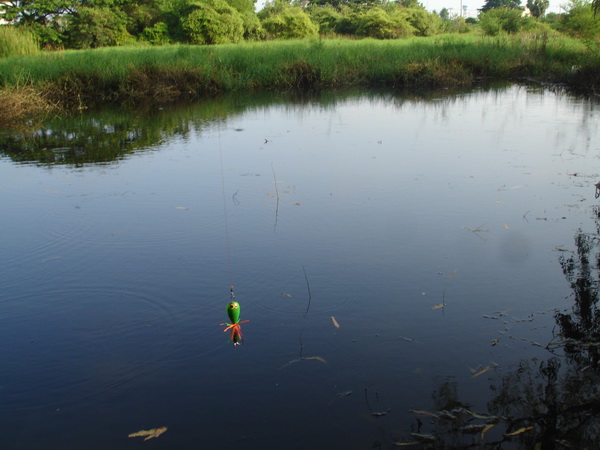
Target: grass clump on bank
x,y
81,78
17,41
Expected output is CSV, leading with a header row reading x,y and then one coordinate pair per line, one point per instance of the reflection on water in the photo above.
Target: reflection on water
x,y
384,246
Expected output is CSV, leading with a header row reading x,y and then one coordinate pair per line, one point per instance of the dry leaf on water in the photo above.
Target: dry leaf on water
x,y
519,431
441,305
482,371
335,322
486,429
425,413
153,433
316,358
286,294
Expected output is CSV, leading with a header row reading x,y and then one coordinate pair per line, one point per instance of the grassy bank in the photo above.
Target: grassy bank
x,y
77,79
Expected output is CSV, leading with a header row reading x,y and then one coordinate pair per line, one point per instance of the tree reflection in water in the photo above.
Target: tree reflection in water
x,y
554,403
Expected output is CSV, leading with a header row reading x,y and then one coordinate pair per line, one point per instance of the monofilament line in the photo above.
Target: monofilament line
x,y
227,243
308,287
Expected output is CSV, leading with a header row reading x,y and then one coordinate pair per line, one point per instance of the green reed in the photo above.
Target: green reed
x,y
17,41
182,71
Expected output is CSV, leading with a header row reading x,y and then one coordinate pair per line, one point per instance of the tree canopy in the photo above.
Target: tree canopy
x,y
98,23
491,4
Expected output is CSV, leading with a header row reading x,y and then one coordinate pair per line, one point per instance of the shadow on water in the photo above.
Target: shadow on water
x,y
541,404
108,136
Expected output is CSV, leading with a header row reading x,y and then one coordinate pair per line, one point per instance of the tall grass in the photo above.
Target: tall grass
x,y
170,72
17,41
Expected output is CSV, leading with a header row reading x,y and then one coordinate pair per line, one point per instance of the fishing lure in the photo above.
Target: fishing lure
x,y
235,327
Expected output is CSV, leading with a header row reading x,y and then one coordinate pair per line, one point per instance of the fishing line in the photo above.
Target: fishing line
x,y
225,216
233,307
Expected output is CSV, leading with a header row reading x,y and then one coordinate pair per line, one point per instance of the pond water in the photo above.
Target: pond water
x,y
397,255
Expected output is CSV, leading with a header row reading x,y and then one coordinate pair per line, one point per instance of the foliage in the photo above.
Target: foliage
x,y
290,23
213,23
580,21
493,4
502,20
457,25
327,18
242,6
141,15
158,34
17,41
352,3
423,22
538,7
98,27
377,23
253,29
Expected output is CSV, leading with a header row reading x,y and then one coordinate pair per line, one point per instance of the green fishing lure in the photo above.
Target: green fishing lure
x,y
235,327
233,311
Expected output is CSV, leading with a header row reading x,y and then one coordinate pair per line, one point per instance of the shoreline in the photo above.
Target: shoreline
x,y
51,83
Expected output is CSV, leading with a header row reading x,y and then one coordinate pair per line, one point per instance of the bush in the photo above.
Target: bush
x,y
253,29
17,41
327,19
580,21
98,27
377,23
213,23
503,20
157,34
290,23
424,23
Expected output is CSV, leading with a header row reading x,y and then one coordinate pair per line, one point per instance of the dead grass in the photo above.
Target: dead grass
x,y
22,104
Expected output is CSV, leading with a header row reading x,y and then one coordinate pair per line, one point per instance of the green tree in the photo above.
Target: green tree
x,y
243,6
213,22
538,7
378,23
253,29
326,17
364,4
492,4
444,14
290,22
157,34
39,16
97,27
410,4
581,21
423,22
142,14
498,20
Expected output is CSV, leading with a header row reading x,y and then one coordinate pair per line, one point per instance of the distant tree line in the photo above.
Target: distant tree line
x,y
100,23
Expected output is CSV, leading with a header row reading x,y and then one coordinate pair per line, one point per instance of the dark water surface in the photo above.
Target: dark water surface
x,y
449,235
